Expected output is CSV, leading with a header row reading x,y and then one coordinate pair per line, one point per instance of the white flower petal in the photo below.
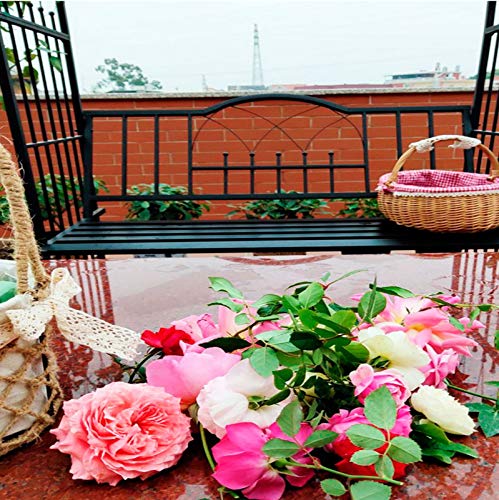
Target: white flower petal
x,y
441,408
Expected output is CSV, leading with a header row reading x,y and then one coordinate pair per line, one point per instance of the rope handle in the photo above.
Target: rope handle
x,y
26,252
460,142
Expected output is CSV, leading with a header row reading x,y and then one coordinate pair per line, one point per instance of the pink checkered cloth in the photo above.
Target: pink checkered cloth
x,y
438,181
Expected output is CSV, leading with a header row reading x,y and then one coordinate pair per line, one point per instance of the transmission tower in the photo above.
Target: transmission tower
x,y
257,80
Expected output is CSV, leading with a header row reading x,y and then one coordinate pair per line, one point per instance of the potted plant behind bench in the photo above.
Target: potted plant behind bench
x,y
279,209
175,210
164,209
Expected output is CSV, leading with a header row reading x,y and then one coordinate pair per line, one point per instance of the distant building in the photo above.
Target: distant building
x,y
440,77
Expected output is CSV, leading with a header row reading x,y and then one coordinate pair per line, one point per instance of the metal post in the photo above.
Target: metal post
x,y
482,67
18,138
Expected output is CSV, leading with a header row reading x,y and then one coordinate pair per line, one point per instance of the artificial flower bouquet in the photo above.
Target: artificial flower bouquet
x,y
288,389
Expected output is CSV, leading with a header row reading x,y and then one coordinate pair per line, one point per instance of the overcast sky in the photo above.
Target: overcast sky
x,y
311,42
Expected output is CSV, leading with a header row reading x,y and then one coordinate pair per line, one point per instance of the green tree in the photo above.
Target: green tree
x,y
124,76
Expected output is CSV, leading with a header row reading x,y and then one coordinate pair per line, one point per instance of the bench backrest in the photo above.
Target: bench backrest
x,y
58,144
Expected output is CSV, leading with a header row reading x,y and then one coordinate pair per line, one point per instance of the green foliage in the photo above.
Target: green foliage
x,y
488,417
309,356
359,208
25,66
277,209
56,192
123,77
164,210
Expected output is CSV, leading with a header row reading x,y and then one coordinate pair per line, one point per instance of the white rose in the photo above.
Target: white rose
x,y
441,408
225,400
398,349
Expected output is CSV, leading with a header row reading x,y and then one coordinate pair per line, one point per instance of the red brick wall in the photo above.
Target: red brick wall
x,y
298,120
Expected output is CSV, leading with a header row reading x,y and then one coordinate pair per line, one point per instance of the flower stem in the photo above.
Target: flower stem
x,y
457,388
206,448
141,364
349,476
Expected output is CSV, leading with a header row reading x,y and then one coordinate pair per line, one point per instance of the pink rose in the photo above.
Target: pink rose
x,y
366,380
198,327
439,367
242,465
185,376
122,431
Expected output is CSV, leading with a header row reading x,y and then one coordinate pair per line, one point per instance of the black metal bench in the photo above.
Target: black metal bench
x,y
63,147
348,236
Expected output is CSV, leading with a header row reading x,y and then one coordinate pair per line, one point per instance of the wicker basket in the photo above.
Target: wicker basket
x,y
441,201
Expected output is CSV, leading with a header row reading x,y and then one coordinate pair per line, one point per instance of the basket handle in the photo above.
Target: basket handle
x,y
26,252
461,142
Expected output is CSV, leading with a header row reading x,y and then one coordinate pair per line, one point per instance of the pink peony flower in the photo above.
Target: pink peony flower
x,y
242,465
185,376
432,327
440,366
122,431
366,380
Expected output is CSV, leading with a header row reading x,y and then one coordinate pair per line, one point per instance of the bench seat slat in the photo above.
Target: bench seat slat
x,y
346,235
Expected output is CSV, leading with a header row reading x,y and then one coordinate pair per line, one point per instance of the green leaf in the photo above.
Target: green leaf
x,y
277,398
444,456
317,357
268,298
396,290
488,417
280,448
228,344
371,304
230,304
496,340
223,285
366,436
56,63
290,303
305,341
494,383
325,277
456,324
281,377
311,295
357,350
242,319
347,275
384,467
320,438
264,361
333,487
290,419
370,490
431,430
380,408
345,318
365,457
458,448
404,450
308,318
